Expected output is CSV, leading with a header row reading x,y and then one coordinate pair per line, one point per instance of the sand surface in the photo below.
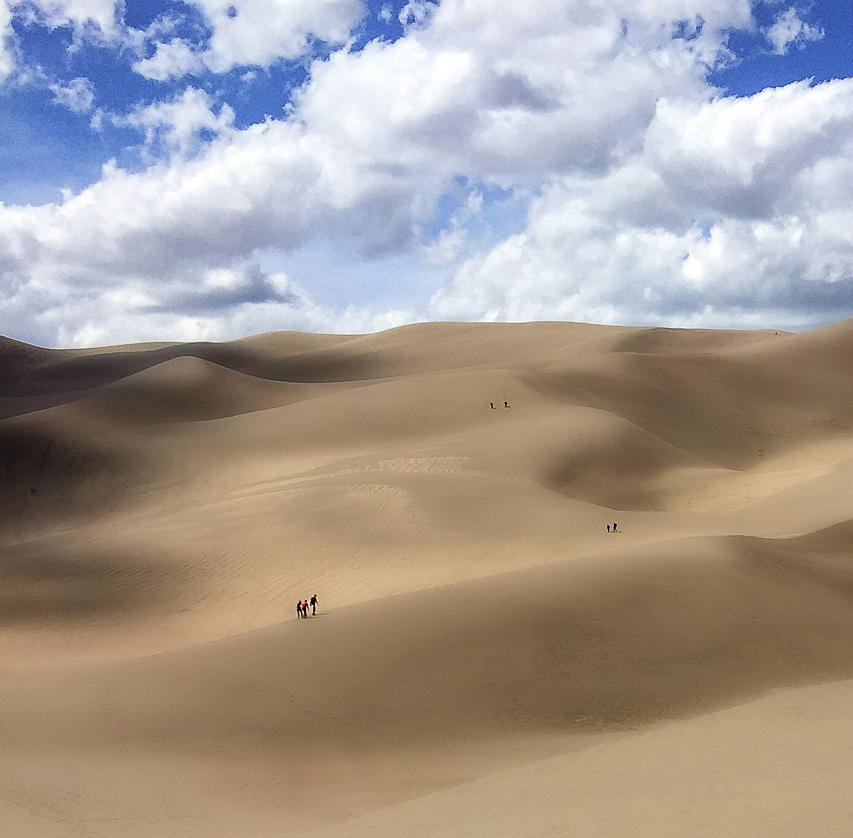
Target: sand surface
x,y
487,659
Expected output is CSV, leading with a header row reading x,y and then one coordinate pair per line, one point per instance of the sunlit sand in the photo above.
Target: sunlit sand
x,y
487,659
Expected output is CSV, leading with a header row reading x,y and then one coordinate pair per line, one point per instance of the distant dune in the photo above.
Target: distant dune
x,y
487,658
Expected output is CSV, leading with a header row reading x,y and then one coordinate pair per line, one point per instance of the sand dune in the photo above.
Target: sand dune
x,y
166,504
733,772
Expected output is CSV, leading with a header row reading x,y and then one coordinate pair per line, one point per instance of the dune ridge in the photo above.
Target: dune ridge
x,y
166,504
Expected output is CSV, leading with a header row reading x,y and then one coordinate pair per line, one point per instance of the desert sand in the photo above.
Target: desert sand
x,y
486,659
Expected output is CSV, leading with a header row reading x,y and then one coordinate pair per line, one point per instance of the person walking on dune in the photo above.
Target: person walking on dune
x,y
608,528
299,609
305,608
314,602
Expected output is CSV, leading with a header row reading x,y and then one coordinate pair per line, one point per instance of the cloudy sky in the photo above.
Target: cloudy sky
x,y
215,168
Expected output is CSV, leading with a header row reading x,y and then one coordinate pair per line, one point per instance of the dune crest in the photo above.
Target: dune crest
x,y
448,490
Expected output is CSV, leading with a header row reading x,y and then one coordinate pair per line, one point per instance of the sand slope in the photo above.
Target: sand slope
x,y
775,766
165,505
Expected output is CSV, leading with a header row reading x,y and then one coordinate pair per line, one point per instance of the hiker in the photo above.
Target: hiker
x,y
492,405
608,528
305,609
614,526
314,601
506,404
299,609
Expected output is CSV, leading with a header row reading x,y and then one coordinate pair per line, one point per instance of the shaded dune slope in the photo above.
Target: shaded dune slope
x,y
189,389
683,402
635,420
29,371
704,776
165,504
583,645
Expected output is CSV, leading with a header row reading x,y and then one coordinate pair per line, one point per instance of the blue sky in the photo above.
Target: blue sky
x,y
210,169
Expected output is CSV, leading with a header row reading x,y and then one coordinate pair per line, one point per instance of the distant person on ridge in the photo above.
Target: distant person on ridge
x,y
608,528
614,526
299,609
305,608
314,602
492,405
506,404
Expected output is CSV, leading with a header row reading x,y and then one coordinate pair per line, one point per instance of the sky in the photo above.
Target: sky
x,y
210,169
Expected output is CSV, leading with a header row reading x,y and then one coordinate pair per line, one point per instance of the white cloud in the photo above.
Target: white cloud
x,y
127,317
244,32
738,156
175,126
733,207
649,199
254,32
446,248
98,14
448,245
77,94
509,93
417,13
7,43
96,20
152,237
173,58
788,30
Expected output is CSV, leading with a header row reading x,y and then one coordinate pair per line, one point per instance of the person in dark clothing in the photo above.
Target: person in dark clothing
x,y
506,404
314,602
492,405
614,526
299,609
608,528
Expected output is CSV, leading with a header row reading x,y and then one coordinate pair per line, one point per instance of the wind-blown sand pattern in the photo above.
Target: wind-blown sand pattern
x,y
487,659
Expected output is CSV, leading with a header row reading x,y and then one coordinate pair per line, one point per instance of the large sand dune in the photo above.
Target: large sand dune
x,y
487,658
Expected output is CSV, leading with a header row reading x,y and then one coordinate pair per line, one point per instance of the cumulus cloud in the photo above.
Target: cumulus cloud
x,y
501,93
240,32
175,126
650,198
144,241
789,30
253,32
446,248
97,16
77,94
103,14
373,140
100,319
7,46
94,20
737,156
448,245
416,12
173,58
223,289
744,220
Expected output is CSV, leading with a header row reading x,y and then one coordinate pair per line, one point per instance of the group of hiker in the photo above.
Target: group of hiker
x,y
302,607
492,405
613,525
